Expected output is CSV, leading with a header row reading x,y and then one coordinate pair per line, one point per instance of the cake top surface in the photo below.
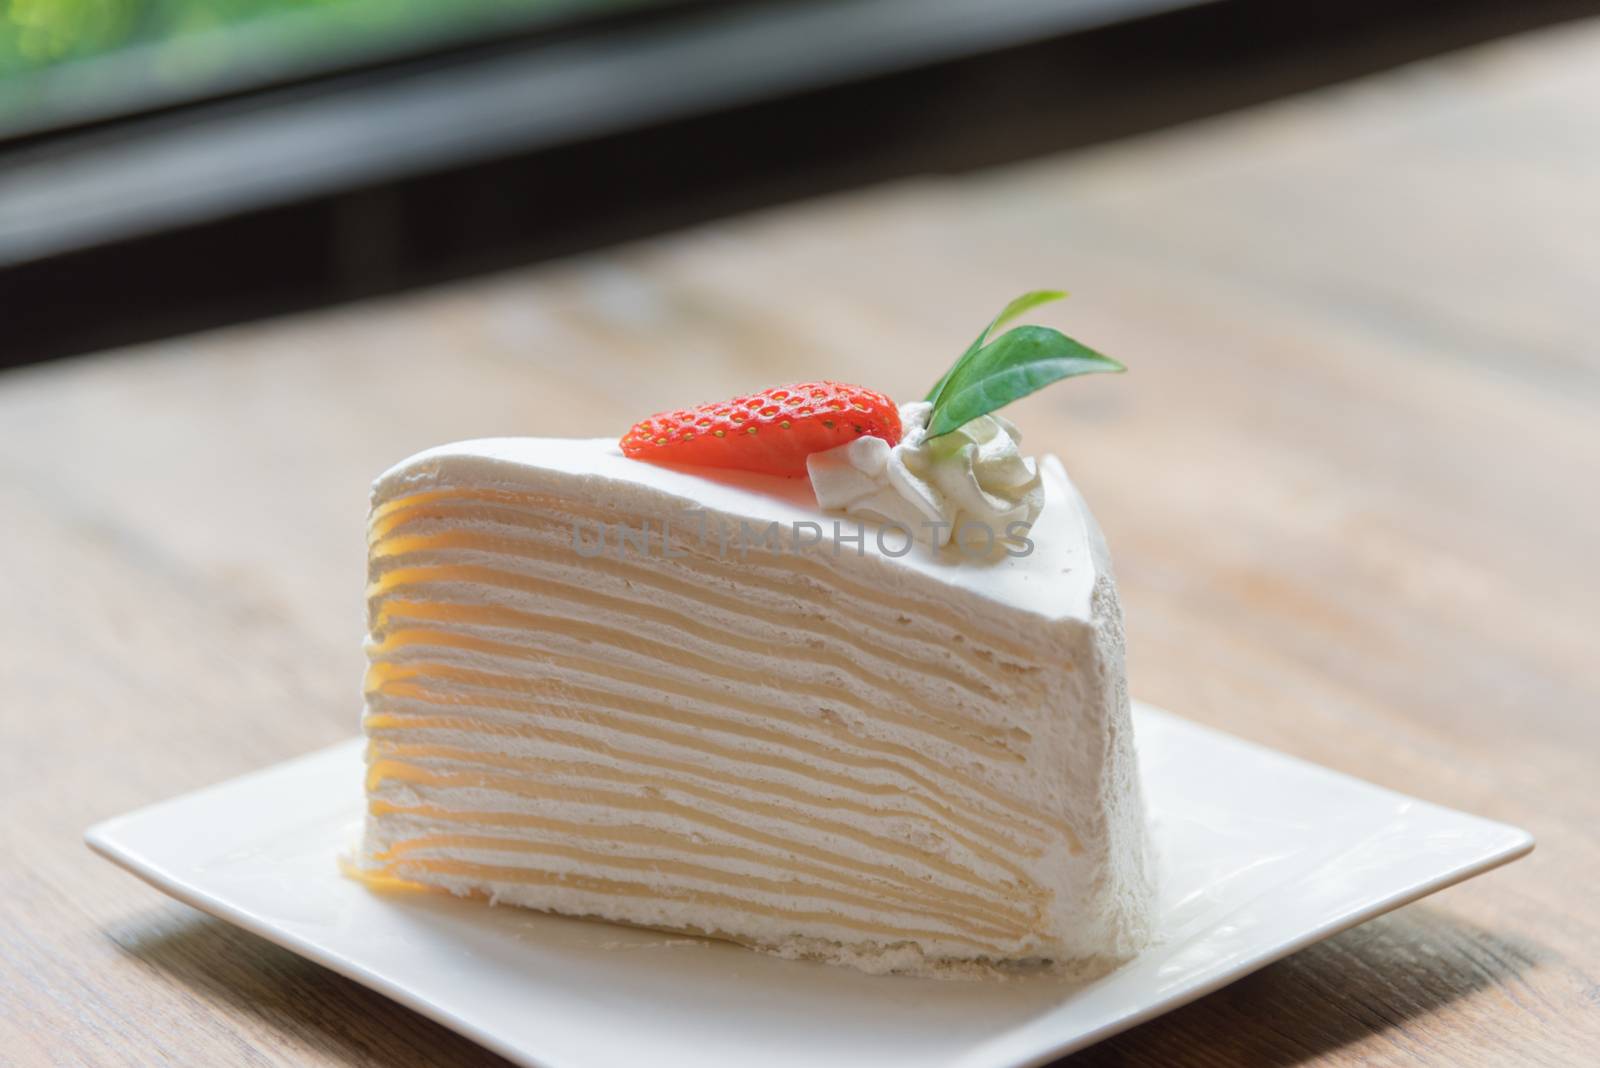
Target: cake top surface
x,y
1053,579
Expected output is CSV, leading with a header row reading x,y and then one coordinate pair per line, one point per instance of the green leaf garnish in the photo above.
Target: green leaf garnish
x,y
992,374
1023,303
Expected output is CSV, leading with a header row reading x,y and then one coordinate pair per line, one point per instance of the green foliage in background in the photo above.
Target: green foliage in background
x,y
36,34
60,57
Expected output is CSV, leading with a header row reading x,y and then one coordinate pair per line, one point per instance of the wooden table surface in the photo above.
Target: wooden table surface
x,y
1350,486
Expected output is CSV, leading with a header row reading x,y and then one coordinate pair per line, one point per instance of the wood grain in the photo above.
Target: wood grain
x,y
1351,488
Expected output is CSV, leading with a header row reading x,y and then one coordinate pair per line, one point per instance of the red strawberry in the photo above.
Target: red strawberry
x,y
772,431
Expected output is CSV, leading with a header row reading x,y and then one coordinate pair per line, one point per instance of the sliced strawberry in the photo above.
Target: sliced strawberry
x,y
772,431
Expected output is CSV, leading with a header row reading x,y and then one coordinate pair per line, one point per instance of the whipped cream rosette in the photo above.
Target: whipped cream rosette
x,y
936,489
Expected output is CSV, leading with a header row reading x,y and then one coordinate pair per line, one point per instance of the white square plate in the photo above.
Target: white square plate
x,y
1261,854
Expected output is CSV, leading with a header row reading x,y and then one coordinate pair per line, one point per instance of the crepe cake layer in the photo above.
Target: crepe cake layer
x,y
685,699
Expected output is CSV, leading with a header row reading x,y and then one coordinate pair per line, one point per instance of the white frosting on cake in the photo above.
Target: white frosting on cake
x,y
897,760
1054,581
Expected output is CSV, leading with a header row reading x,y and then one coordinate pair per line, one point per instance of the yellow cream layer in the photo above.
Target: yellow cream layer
x,y
550,725
429,825
979,672
498,566
453,686
773,800
882,701
504,758
777,879
644,846
809,580
654,890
